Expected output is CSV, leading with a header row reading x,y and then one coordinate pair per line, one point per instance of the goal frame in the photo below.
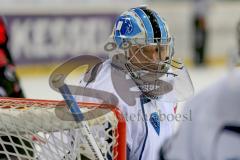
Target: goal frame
x,y
121,146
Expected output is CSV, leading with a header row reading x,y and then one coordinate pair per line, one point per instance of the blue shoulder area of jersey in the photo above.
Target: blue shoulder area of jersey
x,y
155,121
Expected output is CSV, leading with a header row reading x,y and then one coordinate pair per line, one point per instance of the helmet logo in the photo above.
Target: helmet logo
x,y
125,26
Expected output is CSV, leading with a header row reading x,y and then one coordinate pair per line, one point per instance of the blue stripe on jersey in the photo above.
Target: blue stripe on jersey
x,y
147,24
162,27
145,122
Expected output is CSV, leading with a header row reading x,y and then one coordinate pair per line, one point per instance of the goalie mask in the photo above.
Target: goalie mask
x,y
144,48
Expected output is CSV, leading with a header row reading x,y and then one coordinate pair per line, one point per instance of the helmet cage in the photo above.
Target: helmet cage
x,y
135,48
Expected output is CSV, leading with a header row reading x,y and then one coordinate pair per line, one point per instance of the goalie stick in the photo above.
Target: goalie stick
x,y
77,114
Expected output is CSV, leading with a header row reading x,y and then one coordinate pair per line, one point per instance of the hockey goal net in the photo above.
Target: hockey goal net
x,y
39,129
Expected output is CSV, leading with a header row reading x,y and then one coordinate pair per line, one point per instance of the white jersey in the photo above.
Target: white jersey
x,y
146,134
213,132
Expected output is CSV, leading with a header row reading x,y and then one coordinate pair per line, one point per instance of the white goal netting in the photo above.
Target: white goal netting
x,y
42,129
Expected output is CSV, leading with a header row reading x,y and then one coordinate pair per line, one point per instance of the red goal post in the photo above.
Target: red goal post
x,y
32,129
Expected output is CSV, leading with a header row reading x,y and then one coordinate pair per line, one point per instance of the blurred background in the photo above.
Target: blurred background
x,y
45,33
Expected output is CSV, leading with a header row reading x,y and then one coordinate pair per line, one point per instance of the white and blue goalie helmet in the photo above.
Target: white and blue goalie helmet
x,y
142,45
141,27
